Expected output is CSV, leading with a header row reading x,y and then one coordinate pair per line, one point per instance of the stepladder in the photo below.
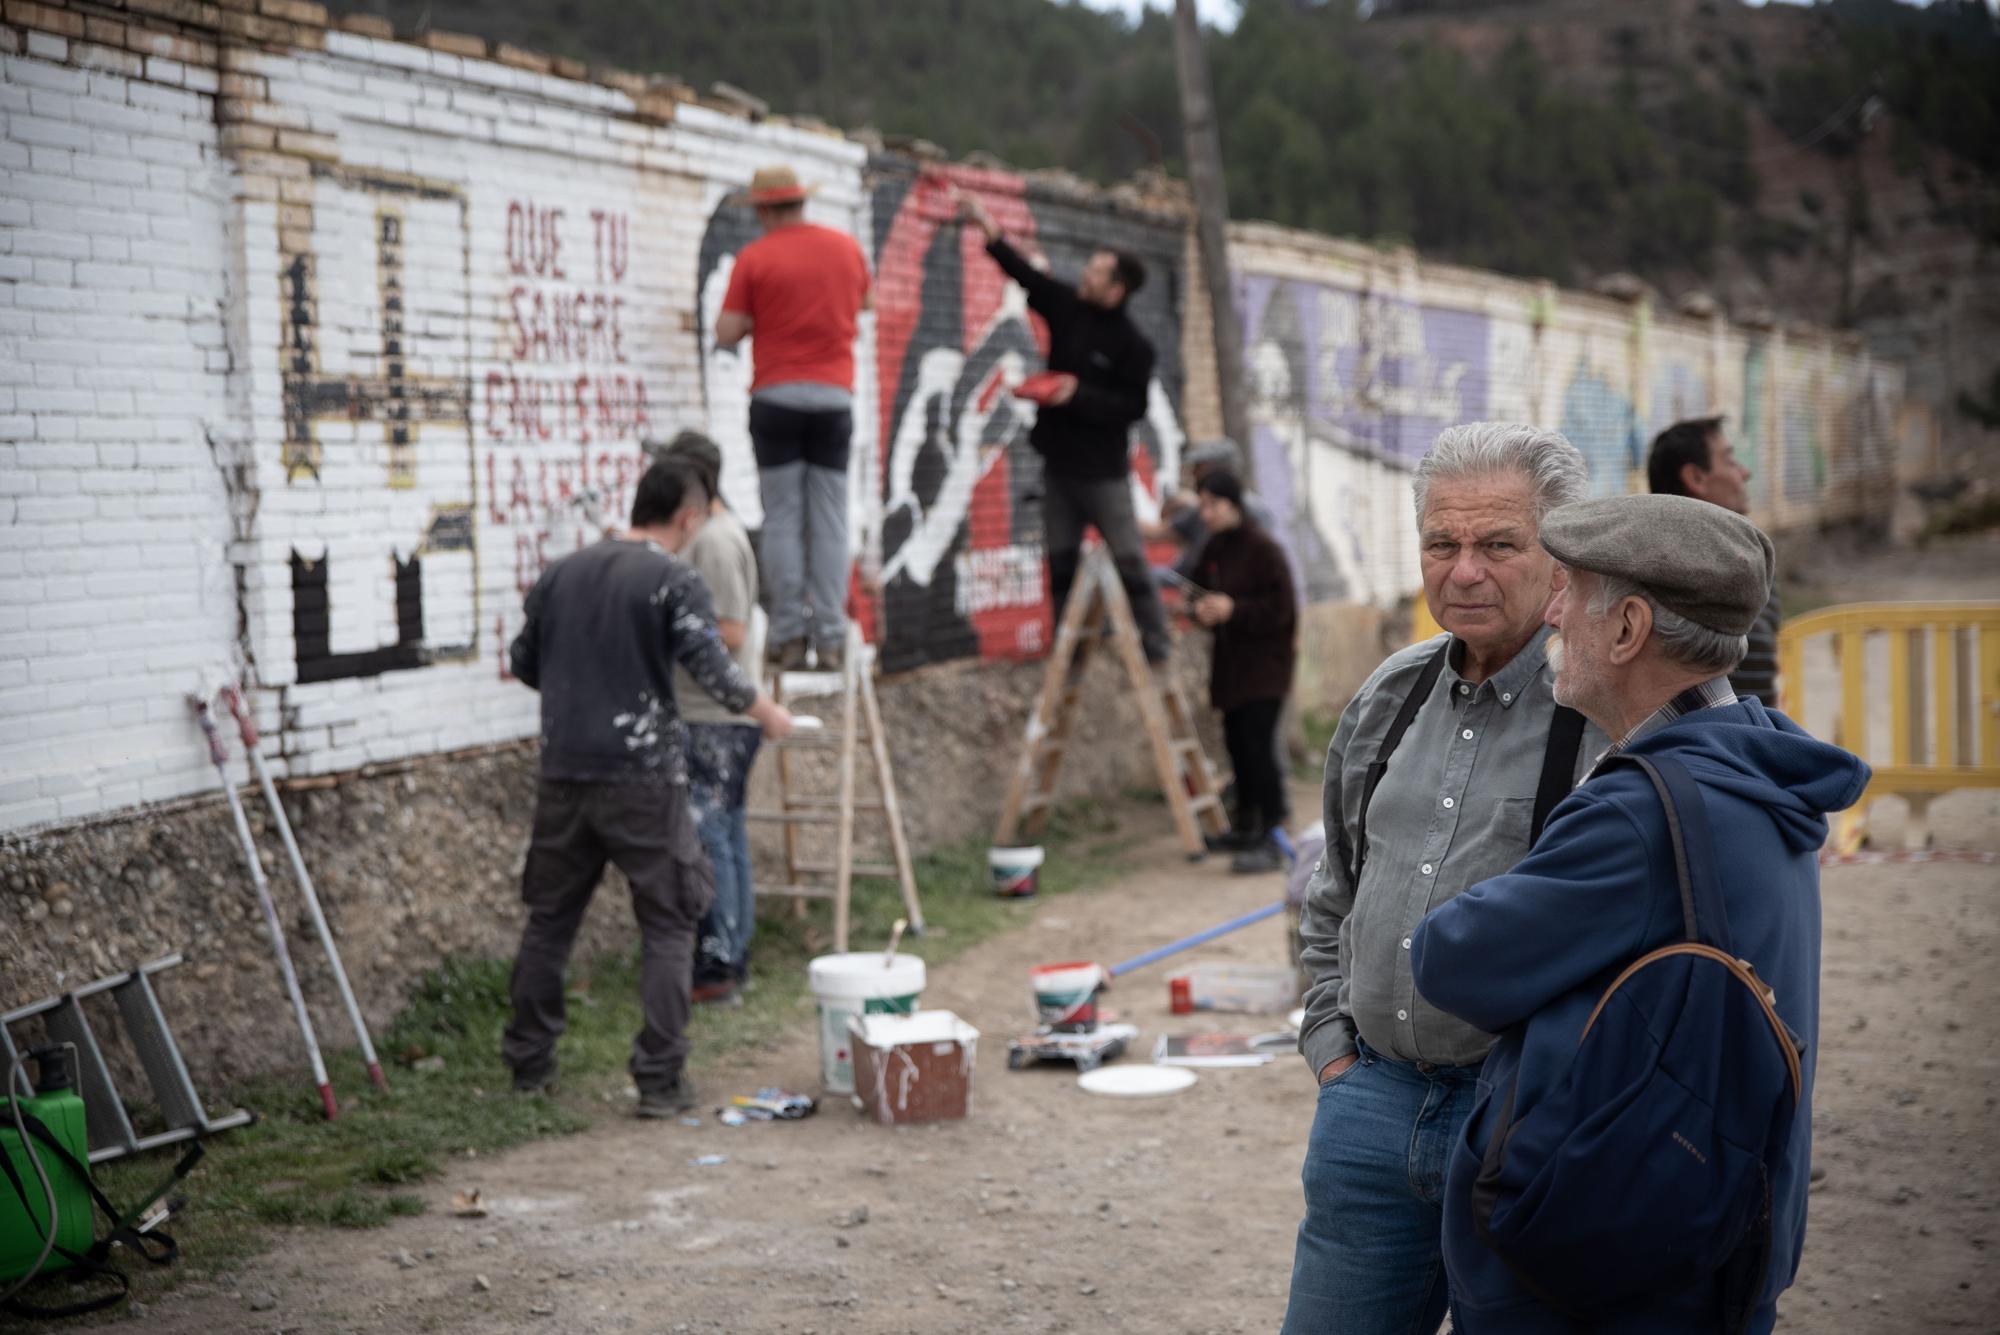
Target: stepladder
x,y
822,830
1098,617
119,1125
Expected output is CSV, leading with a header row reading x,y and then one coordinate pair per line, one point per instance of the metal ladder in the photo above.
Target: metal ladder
x,y
112,1135
1185,775
860,720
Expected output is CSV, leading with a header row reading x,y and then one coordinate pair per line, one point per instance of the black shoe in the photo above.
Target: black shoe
x,y
787,655
1229,841
1264,857
829,655
536,1080
671,1101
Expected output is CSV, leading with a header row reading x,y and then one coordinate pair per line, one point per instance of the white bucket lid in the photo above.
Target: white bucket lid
x,y
1014,859
859,976
894,1031
1136,1082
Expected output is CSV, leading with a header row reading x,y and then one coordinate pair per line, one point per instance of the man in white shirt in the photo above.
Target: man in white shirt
x,y
722,746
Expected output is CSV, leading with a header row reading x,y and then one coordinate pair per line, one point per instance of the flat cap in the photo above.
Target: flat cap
x,y
1709,564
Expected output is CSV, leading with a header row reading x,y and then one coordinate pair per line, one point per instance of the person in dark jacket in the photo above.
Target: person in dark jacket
x,y
1694,458
1661,591
1083,432
1248,603
603,630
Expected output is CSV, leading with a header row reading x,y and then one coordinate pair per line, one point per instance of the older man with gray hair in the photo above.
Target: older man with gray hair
x,y
1481,754
1660,593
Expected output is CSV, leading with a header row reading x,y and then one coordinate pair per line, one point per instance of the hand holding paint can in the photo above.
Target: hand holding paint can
x,y
1066,995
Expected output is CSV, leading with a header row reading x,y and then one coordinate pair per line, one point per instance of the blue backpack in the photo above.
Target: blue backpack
x,y
1647,1170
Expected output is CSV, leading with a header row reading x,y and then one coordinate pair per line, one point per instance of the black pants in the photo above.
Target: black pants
x,y
1250,731
648,832
1070,504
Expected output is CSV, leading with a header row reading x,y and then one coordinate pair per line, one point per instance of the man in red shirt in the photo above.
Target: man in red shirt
x,y
797,292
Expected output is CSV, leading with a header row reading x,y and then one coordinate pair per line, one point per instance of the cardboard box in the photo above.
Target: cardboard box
x,y
913,1068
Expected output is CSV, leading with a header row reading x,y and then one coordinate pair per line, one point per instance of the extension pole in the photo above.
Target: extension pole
x,y
1189,942
248,729
219,754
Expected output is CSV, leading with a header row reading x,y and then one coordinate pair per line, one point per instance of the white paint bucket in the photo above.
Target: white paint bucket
x,y
854,984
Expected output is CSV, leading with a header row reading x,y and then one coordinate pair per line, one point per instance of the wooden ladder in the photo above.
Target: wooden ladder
x,y
858,705
1185,776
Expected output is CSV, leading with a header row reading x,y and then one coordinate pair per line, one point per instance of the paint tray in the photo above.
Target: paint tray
x,y
1086,1051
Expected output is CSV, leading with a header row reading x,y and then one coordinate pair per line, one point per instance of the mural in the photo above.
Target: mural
x,y
564,405
372,425
1348,386
1599,419
947,524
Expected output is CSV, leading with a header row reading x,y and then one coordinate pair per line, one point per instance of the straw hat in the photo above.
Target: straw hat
x,y
777,185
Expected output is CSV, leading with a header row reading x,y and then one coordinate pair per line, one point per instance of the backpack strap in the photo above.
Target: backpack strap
x,y
1558,767
1702,913
1357,853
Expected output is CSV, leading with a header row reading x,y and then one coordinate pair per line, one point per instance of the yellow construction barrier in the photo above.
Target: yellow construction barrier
x,y
1423,626
1931,690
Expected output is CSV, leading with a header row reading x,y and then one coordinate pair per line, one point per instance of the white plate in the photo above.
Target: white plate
x,y
1135,1082
1297,1019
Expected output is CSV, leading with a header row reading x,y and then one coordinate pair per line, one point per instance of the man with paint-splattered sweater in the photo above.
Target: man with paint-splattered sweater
x,y
604,628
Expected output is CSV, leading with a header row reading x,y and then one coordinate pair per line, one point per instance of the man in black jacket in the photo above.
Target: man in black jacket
x,y
1694,458
1083,430
603,630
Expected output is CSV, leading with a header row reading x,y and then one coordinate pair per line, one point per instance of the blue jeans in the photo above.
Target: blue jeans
x,y
1370,1259
719,760
802,549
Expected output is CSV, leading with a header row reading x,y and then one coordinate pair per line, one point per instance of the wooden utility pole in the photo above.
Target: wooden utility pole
x,y
1211,210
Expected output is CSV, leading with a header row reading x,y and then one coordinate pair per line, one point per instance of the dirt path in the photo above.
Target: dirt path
x,y
1051,1210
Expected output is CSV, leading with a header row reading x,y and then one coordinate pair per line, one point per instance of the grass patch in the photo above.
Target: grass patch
x,y
294,1168
1318,726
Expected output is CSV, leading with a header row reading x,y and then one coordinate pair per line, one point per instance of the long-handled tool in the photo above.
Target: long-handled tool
x,y
248,729
1189,942
219,754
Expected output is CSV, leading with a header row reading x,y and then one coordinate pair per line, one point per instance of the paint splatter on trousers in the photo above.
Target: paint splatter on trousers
x,y
719,759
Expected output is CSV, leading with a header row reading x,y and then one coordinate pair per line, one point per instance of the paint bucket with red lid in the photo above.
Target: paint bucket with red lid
x,y
1066,995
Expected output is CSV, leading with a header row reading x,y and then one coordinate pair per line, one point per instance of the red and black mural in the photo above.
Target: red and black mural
x,y
949,541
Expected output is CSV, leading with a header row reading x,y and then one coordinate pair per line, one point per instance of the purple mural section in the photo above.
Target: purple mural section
x,y
1369,375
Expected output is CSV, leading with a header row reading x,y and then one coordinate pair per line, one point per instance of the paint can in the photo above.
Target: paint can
x,y
858,983
1066,995
1016,872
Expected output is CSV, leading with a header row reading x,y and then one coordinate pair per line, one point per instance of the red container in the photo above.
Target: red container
x,y
1180,995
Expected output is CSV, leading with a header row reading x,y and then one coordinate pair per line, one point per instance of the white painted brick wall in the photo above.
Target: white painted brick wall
x,y
114,589
145,346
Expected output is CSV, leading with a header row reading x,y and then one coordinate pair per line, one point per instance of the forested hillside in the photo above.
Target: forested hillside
x,y
1554,138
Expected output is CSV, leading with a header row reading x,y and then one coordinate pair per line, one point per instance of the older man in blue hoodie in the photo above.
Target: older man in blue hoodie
x,y
1661,591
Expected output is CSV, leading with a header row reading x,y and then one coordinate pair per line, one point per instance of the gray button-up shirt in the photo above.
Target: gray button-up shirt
x,y
1454,807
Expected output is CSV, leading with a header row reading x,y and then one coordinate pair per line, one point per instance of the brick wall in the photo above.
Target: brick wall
x,y
115,439
316,346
